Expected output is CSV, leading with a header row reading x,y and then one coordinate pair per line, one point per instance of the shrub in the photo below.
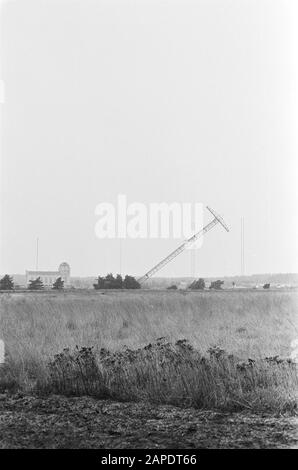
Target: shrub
x,y
58,284
198,285
111,282
36,284
163,372
130,283
216,284
6,283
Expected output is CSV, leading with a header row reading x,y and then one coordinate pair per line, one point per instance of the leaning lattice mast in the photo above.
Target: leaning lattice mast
x,y
217,219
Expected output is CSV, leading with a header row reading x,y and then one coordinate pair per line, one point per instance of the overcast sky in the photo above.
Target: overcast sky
x,y
162,101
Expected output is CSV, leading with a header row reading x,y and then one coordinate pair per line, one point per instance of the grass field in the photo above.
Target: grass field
x,y
242,328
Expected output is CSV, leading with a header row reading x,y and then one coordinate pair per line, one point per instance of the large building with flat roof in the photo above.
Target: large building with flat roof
x,y
49,277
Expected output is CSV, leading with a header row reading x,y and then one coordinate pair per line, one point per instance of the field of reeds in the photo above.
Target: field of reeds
x,y
223,350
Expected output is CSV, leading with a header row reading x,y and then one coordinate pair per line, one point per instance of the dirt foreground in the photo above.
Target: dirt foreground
x,y
61,422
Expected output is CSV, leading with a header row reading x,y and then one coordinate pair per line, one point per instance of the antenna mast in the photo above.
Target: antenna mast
x,y
242,248
217,219
37,254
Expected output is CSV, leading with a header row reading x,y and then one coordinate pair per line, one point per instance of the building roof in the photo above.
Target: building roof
x,y
43,273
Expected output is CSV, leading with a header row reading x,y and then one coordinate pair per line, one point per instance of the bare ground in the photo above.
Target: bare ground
x,y
63,422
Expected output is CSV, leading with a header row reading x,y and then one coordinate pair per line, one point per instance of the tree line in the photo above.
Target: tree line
x,y
7,283
199,284
111,282
107,282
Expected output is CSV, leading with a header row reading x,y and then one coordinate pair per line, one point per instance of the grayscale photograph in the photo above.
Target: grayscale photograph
x,y
149,232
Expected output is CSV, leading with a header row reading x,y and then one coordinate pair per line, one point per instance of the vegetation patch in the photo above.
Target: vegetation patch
x,y
118,357
176,374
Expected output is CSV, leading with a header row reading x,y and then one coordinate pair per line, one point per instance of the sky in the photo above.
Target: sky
x,y
162,101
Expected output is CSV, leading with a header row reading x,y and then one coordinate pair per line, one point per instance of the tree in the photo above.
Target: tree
x,y
118,283
198,285
58,284
35,284
6,283
216,284
173,287
131,283
100,283
109,281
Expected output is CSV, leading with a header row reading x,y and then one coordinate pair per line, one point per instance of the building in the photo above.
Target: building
x,y
49,277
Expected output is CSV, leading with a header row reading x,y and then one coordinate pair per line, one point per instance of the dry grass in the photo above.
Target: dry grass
x,y
245,325
177,374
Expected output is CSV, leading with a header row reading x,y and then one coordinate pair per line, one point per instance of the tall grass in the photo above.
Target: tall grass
x,y
178,374
35,327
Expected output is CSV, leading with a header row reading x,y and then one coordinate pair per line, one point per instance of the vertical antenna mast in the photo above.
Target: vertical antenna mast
x,y
242,248
192,263
37,254
120,256
192,252
241,268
